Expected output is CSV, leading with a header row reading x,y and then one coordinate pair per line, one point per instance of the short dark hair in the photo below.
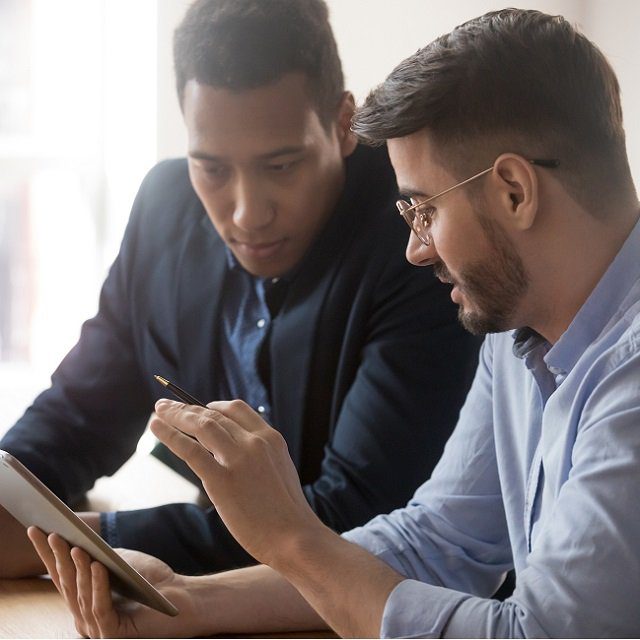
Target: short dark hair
x,y
510,80
245,44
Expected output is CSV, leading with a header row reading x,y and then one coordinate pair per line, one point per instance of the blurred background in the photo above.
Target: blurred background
x,y
87,106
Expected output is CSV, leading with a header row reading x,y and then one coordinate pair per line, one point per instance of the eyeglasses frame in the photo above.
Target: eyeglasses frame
x,y
407,210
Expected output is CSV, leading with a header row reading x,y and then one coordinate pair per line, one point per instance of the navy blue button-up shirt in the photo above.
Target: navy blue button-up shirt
x,y
245,323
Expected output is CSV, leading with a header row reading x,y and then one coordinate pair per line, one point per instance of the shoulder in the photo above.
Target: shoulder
x,y
617,350
166,200
167,182
381,234
166,215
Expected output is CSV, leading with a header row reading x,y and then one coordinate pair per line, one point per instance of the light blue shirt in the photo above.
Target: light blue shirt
x,y
541,474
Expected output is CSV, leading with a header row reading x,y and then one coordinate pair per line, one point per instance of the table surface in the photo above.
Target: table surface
x,y
32,608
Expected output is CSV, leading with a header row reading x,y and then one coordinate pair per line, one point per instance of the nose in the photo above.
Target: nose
x,y
418,253
252,208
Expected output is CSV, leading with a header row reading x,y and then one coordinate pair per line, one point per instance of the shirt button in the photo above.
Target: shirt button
x,y
261,409
274,280
261,323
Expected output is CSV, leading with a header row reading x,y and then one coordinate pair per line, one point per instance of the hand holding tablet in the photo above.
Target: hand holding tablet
x,y
33,504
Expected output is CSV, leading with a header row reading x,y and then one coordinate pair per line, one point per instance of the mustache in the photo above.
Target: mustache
x,y
442,273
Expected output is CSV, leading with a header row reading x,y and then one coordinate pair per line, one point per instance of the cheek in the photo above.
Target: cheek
x,y
303,200
214,212
458,240
198,185
210,197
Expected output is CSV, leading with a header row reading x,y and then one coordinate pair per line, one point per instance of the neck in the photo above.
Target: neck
x,y
572,254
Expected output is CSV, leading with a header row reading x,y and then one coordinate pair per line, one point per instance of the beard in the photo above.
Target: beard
x,y
495,285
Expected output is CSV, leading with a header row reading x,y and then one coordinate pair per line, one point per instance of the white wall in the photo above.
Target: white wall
x,y
613,26
172,140
374,35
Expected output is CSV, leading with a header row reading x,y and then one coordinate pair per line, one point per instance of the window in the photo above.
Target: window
x,y
77,134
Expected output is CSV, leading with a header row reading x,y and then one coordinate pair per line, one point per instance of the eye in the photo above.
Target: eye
x,y
215,172
424,212
282,167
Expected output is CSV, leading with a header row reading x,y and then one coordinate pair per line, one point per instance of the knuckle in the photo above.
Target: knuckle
x,y
98,610
237,405
202,422
274,438
64,589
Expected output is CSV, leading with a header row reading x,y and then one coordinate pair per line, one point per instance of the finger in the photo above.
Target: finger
x,y
84,589
67,575
103,609
41,545
204,425
236,413
198,457
192,420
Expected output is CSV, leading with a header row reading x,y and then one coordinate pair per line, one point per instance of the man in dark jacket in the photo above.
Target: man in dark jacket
x,y
268,266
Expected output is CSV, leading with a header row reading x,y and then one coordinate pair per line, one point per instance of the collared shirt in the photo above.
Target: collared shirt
x,y
245,320
541,474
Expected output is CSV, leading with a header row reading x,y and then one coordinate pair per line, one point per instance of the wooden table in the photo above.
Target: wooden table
x,y
32,608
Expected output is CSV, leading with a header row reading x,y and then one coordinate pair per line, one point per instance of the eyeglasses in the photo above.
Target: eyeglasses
x,y
419,216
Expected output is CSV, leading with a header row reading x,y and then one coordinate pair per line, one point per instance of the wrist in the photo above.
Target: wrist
x,y
195,598
302,549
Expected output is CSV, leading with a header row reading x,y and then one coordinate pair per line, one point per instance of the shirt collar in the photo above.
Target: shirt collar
x,y
525,340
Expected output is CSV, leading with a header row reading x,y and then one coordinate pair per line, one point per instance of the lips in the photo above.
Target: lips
x,y
259,250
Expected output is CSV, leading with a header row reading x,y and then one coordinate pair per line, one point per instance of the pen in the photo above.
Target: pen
x,y
179,393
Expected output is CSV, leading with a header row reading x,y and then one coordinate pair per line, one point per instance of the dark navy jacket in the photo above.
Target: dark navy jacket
x,y
368,365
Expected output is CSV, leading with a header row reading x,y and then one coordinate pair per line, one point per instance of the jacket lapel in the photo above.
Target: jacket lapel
x,y
203,267
295,329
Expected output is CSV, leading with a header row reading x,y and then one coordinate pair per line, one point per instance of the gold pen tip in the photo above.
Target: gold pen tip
x,y
161,380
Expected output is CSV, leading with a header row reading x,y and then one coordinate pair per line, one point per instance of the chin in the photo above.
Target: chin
x,y
480,324
264,268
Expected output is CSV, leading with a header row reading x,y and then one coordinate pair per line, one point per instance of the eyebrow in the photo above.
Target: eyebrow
x,y
270,155
412,193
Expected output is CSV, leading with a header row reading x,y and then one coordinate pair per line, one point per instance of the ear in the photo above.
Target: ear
x,y
347,139
517,190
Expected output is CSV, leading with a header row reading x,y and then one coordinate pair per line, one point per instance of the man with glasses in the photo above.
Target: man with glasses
x,y
541,244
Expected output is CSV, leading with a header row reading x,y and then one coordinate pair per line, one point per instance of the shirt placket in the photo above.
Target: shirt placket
x,y
545,386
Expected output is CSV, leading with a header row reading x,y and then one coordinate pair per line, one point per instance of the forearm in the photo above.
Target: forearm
x,y
18,558
251,600
344,583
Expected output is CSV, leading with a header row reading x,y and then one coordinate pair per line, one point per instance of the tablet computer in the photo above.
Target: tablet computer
x,y
32,503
